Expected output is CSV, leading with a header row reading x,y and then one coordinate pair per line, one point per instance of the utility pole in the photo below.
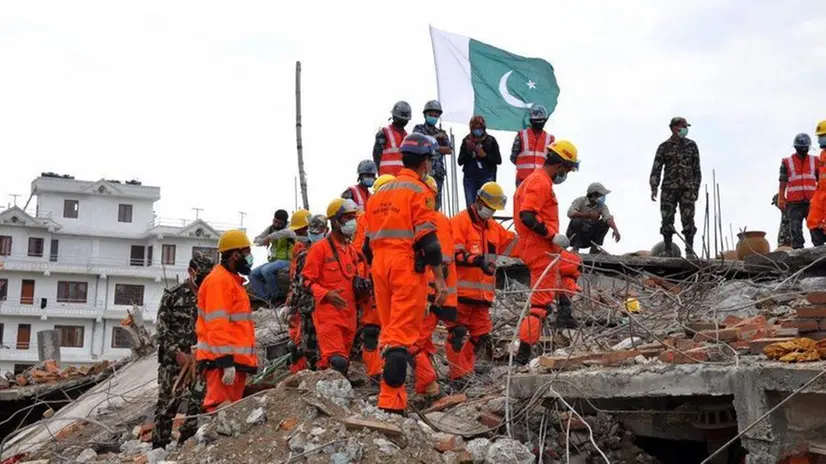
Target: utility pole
x,y
242,217
301,174
14,198
197,212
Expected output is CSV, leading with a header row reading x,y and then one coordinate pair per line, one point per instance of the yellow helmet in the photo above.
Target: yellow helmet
x,y
233,240
341,206
431,182
493,196
565,151
382,179
821,128
300,219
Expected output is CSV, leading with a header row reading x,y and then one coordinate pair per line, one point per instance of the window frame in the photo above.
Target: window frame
x,y
4,289
134,261
142,298
68,298
71,208
125,338
125,212
5,250
34,241
164,253
59,329
54,250
26,344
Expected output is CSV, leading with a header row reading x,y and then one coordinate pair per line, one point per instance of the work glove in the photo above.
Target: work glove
x,y
229,376
561,240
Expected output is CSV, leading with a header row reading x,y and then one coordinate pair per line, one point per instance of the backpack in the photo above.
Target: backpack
x,y
302,303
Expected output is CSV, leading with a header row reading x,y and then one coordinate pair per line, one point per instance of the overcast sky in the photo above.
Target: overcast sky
x,y
198,97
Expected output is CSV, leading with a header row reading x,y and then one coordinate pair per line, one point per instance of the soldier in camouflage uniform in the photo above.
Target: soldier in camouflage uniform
x,y
784,238
432,111
176,335
680,158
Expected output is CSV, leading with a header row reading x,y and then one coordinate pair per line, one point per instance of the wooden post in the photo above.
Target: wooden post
x,y
301,174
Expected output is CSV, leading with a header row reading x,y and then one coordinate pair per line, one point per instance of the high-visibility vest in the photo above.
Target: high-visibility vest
x,y
536,194
532,155
444,232
821,167
472,240
802,182
225,328
360,195
391,157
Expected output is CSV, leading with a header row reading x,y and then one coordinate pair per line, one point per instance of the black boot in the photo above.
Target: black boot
x,y
523,355
689,247
667,246
564,318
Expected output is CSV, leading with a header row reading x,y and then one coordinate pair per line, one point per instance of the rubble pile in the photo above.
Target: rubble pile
x,y
48,372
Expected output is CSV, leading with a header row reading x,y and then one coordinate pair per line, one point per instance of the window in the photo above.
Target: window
x,y
24,336
70,336
120,338
71,292
5,245
137,256
126,294
27,292
168,254
70,209
36,247
124,213
54,250
149,252
21,368
4,289
206,251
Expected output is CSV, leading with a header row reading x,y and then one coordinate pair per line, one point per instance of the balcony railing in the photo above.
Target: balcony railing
x,y
31,307
174,222
92,265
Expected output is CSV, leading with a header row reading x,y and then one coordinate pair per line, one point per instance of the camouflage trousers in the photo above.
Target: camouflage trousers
x,y
784,236
669,200
168,406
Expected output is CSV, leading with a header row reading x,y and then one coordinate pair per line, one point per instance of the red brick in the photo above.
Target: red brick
x,y
741,344
687,357
560,362
724,335
756,321
576,422
489,419
447,402
699,326
823,324
803,325
753,334
758,345
816,298
780,332
448,442
731,321
818,311
613,358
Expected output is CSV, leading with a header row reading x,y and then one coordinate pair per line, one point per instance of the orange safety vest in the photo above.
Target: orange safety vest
x,y
328,268
391,157
360,195
536,194
225,328
802,181
490,240
444,231
400,214
532,156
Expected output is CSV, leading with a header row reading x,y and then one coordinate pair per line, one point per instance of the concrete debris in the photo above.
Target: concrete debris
x,y
386,446
225,426
508,450
156,456
478,449
86,455
257,416
339,391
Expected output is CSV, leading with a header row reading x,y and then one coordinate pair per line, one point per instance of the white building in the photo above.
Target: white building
x,y
76,263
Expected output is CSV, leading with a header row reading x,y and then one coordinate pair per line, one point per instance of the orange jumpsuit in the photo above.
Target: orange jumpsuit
x,y
226,335
536,194
398,215
474,240
370,323
331,265
817,206
294,320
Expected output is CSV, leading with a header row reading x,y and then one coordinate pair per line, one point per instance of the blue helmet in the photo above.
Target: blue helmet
x,y
802,140
417,144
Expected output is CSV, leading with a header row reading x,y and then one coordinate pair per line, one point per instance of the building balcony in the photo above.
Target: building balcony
x,y
12,354
31,308
104,266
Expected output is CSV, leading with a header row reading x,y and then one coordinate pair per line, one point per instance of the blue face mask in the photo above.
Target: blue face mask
x,y
821,140
368,181
477,132
315,237
432,120
683,132
601,201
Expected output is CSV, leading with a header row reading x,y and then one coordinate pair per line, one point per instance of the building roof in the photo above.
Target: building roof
x,y
130,189
16,217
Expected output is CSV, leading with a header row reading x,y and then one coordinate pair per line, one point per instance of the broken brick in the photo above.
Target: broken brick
x,y
816,298
464,457
723,335
823,324
288,423
699,326
752,334
781,332
756,321
803,325
560,362
741,344
447,402
489,419
731,321
692,356
613,358
447,442
576,422
818,311
758,345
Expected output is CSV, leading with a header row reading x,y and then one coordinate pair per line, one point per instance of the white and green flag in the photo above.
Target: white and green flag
x,y
476,78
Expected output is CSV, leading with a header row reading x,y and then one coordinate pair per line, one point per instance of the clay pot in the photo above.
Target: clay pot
x,y
752,243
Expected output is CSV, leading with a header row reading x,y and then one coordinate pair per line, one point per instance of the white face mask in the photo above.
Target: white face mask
x,y
484,212
349,228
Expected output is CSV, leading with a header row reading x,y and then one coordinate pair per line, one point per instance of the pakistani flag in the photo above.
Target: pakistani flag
x,y
476,78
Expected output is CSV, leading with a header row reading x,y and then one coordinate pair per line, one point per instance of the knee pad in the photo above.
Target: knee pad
x,y
457,337
445,313
370,335
339,363
395,366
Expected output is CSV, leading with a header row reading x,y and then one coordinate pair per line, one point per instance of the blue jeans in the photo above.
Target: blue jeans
x,y
472,185
264,279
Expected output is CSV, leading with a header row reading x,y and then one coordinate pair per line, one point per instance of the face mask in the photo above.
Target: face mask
x,y
537,125
484,212
477,132
368,181
683,132
315,237
801,150
821,140
432,120
601,201
244,267
400,123
560,177
349,228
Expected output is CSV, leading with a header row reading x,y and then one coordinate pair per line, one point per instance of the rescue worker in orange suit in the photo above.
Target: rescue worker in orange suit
x,y
426,384
528,151
478,241
798,183
536,217
225,329
360,193
816,220
370,323
386,152
331,272
315,231
402,243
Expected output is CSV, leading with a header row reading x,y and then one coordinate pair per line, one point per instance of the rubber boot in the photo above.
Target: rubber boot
x,y
689,247
523,355
564,317
668,244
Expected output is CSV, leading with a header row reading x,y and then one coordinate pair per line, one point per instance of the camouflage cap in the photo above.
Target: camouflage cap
x,y
201,262
677,120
